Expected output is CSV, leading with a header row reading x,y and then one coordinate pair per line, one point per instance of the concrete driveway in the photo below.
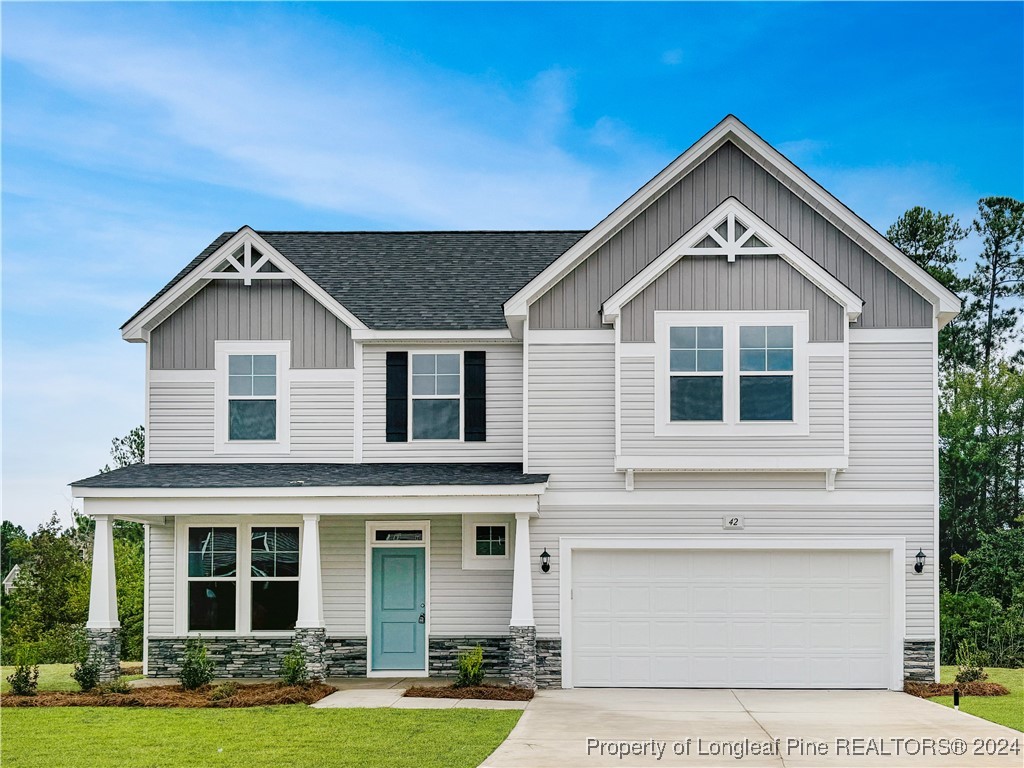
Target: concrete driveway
x,y
748,728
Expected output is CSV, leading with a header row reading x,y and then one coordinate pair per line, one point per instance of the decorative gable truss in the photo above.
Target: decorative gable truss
x,y
732,231
247,257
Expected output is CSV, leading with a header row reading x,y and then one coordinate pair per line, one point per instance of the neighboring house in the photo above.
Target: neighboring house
x,y
10,578
694,446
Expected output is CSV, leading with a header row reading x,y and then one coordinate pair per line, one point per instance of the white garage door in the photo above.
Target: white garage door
x,y
731,618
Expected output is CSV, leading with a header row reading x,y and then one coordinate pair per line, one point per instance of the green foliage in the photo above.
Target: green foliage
x,y
128,450
293,667
196,668
25,679
117,685
471,668
87,672
997,633
13,546
968,663
224,691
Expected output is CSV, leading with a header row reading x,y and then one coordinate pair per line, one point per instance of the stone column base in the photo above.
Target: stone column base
x,y
522,657
919,660
105,648
312,641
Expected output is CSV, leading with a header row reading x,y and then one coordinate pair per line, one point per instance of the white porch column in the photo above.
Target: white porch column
x,y
522,575
311,598
103,591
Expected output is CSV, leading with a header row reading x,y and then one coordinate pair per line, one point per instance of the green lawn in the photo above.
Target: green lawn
x,y
285,737
1005,710
52,677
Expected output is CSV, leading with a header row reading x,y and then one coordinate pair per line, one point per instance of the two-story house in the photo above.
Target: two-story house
x,y
693,446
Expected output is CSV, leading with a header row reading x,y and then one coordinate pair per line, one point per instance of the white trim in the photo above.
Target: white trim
x,y
282,444
706,463
733,209
891,335
461,397
322,374
826,349
146,565
310,609
471,561
522,577
601,336
139,326
638,349
343,491
527,338
357,404
145,447
202,375
935,484
424,544
763,499
731,129
103,580
730,425
617,373
440,336
896,546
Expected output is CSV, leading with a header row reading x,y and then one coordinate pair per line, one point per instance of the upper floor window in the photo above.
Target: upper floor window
x,y
721,371
252,397
436,394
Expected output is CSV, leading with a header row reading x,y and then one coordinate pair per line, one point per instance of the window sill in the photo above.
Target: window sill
x,y
487,564
765,463
723,429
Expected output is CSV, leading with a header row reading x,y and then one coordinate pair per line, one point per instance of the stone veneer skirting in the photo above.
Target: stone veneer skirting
x,y
256,656
549,662
444,655
919,660
105,649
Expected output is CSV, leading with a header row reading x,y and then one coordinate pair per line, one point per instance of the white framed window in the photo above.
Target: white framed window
x,y
486,543
435,396
721,373
239,576
252,408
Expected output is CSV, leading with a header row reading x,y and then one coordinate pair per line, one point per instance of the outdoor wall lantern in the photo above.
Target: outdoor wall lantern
x,y
545,561
919,565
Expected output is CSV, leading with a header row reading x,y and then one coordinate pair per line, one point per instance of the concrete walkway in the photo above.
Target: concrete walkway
x,y
380,692
715,727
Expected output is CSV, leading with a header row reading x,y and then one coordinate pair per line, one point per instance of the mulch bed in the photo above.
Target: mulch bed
x,y
488,692
977,688
256,695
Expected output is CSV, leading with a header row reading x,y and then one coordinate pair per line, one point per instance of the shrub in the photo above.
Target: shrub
x,y
224,691
87,672
293,667
968,662
471,668
25,679
118,685
196,668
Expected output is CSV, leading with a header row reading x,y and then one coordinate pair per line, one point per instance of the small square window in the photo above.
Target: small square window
x,y
491,540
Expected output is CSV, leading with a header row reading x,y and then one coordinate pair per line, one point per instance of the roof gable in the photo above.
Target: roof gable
x,y
731,131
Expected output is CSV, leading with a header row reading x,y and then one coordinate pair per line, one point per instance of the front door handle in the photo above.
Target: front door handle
x,y
423,618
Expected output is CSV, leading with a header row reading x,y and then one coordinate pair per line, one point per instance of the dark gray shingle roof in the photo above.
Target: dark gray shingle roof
x,y
307,475
415,280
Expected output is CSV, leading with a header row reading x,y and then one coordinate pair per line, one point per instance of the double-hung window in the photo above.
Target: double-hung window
x,y
721,372
252,397
274,577
212,578
436,395
252,388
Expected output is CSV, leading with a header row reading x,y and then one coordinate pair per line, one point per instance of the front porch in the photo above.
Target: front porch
x,y
393,581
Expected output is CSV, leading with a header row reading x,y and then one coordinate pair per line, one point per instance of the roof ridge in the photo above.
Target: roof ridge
x,y
419,231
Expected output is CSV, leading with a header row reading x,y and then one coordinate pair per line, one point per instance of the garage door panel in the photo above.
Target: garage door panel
x,y
738,618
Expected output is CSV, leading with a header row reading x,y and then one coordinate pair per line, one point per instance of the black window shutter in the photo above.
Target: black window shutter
x,y
475,364
397,411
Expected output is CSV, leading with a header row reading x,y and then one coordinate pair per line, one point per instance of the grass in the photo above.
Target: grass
x,y
1005,710
285,737
53,677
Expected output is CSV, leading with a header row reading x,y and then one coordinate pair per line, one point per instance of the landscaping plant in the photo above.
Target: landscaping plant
x,y
968,662
471,668
196,668
293,667
117,685
25,679
87,672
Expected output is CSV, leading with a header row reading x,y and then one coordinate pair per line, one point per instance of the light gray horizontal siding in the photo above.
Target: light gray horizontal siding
x,y
268,310
572,415
504,413
181,420
575,301
633,520
825,390
343,570
160,562
322,417
892,409
749,283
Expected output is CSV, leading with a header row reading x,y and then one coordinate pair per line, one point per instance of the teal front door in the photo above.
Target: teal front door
x,y
399,606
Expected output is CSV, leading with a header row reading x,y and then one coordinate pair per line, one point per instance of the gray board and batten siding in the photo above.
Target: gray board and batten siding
x,y
575,301
710,283
266,310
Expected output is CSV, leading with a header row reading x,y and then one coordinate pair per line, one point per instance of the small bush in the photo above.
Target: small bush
x,y
224,691
293,667
471,668
196,668
25,679
87,673
969,664
118,685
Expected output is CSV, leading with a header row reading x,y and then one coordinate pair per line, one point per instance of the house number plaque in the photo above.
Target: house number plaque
x,y
732,523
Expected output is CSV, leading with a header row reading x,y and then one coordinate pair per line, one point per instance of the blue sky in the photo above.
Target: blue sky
x,y
134,133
